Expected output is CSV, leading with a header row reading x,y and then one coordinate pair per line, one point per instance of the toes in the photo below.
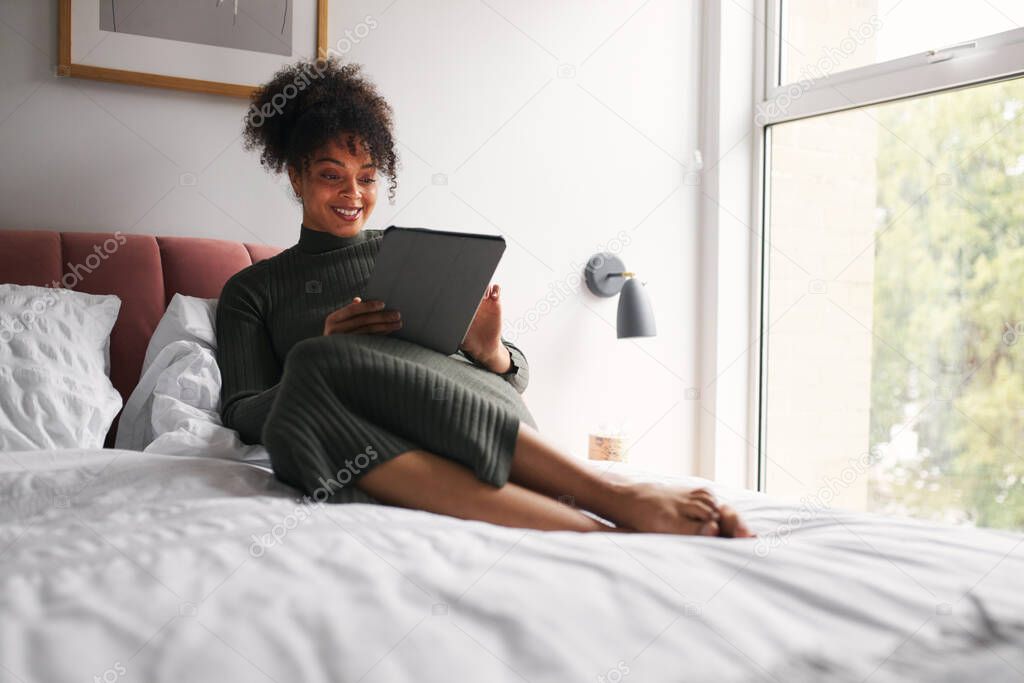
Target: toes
x,y
722,520
699,510
703,494
709,529
706,499
731,524
730,521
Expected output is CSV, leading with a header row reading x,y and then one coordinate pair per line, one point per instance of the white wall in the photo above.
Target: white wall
x,y
559,165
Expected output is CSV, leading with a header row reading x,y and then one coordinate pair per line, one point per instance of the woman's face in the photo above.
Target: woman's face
x,y
338,189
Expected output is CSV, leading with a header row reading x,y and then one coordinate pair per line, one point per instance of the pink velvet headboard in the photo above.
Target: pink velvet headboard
x,y
143,270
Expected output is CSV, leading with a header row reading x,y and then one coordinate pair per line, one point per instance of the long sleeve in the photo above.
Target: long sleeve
x,y
250,371
518,375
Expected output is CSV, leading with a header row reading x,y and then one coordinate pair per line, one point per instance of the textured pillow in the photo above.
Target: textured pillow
x,y
185,408
54,388
175,407
187,319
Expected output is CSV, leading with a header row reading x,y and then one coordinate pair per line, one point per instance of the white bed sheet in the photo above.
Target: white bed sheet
x,y
121,565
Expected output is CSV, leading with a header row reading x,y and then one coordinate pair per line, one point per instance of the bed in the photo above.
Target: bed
x,y
121,564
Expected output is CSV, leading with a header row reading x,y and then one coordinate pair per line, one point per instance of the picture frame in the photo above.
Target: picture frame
x,y
188,53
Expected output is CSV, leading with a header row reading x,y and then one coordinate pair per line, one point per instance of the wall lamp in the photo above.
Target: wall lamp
x,y
606,276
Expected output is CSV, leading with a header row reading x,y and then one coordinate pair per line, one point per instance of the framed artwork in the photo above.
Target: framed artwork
x,y
222,47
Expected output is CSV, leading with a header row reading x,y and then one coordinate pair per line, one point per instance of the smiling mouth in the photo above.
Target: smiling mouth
x,y
348,214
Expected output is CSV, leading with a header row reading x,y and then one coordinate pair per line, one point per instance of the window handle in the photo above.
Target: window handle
x,y
946,53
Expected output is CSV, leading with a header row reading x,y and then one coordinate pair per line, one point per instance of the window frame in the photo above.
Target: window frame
x,y
729,244
994,57
986,59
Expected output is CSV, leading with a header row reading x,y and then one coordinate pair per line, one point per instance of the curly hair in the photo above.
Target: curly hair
x,y
310,102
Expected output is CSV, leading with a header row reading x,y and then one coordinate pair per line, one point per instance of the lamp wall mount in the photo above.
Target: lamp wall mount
x,y
605,274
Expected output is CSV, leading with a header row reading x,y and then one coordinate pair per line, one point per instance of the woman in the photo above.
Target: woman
x,y
349,413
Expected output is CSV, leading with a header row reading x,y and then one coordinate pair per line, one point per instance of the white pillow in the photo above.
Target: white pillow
x,y
135,428
54,389
187,319
185,416
175,407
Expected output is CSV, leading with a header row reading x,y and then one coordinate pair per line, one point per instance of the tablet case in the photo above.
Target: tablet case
x,y
435,279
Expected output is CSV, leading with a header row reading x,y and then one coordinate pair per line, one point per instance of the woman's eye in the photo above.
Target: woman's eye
x,y
328,176
368,180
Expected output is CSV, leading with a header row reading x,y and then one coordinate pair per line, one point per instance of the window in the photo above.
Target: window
x,y
892,367
821,37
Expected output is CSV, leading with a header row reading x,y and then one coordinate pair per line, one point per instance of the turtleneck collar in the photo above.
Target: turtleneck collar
x,y
317,241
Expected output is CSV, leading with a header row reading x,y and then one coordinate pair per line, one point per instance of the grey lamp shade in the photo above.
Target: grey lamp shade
x,y
635,316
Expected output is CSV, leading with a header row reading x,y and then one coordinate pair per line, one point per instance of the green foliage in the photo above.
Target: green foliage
x,y
948,357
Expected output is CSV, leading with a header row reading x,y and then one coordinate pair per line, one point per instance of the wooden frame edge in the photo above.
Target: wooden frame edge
x,y
98,73
321,29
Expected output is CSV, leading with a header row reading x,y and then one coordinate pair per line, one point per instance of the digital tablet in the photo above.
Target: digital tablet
x,y
436,279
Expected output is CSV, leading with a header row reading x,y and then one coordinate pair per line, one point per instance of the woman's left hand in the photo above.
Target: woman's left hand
x,y
483,339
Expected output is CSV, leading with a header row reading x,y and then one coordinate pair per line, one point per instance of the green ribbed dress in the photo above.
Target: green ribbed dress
x,y
330,408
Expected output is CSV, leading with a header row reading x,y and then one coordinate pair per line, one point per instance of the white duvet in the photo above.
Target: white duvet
x,y
127,566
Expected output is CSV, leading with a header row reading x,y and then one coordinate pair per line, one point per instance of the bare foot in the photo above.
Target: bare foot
x,y
664,509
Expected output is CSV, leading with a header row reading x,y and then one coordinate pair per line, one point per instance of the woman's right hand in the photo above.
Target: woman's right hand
x,y
362,317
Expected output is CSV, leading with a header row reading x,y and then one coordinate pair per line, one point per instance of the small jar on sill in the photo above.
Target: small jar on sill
x,y
609,442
